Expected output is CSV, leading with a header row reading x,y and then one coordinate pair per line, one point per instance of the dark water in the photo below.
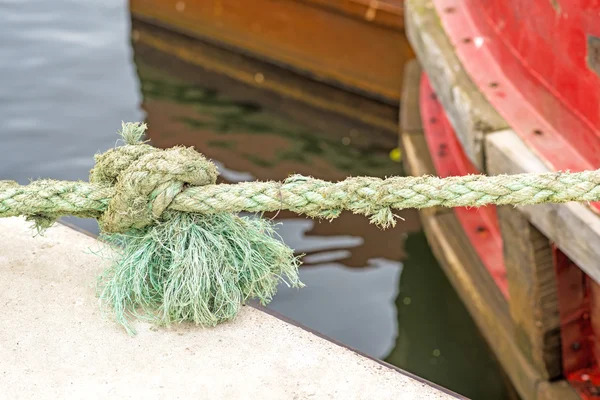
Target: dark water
x,y
69,76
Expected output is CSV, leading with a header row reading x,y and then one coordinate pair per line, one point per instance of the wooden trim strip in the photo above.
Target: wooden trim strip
x,y
573,227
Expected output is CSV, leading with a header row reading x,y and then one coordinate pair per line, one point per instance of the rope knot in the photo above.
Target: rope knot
x,y
146,179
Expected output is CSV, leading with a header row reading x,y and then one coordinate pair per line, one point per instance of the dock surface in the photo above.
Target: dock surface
x,y
55,342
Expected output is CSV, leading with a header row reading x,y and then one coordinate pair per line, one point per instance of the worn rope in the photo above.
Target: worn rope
x,y
132,185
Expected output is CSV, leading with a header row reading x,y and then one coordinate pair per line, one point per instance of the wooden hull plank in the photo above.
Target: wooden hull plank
x,y
533,291
470,114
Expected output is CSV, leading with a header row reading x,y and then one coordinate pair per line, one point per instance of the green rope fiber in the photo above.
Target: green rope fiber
x,y
139,196
186,256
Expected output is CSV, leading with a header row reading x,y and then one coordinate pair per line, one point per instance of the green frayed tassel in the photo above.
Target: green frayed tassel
x,y
192,267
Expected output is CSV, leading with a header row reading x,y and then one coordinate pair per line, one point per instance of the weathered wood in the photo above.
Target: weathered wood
x,y
330,41
410,114
416,158
533,292
560,390
470,114
573,227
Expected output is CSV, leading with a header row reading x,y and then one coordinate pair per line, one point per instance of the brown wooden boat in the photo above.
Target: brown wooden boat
x,y
345,56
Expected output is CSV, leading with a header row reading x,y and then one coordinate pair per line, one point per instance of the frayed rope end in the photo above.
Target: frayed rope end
x,y
195,268
133,132
383,218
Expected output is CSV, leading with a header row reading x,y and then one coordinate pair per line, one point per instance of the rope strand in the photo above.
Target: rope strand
x,y
132,185
314,197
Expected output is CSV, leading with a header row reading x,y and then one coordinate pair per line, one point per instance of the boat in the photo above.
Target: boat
x,y
504,87
342,56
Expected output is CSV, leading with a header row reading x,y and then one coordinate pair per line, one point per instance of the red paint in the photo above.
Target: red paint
x,y
579,308
530,59
480,224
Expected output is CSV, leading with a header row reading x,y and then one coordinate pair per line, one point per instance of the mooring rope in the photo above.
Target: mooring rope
x,y
132,185
188,257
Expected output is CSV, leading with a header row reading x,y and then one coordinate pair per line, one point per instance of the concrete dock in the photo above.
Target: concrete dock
x,y
55,343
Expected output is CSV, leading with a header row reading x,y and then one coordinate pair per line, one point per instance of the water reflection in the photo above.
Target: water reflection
x,y
252,139
67,83
354,306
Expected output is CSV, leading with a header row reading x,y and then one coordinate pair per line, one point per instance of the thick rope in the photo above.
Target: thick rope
x,y
304,195
131,186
